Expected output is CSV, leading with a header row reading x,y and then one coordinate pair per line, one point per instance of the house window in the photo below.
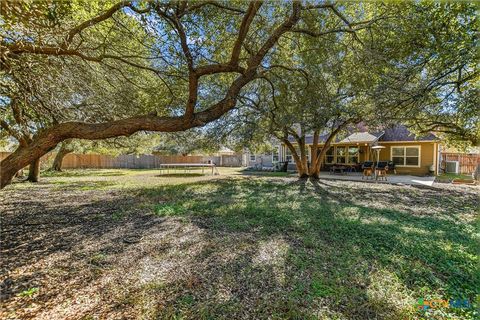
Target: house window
x,y
253,157
288,155
275,157
329,155
341,154
406,156
352,154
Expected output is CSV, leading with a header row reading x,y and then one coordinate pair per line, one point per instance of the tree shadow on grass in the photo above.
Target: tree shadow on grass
x,y
341,246
84,173
267,173
251,248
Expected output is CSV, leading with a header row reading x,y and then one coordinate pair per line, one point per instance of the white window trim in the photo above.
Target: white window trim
x,y
405,155
278,156
287,151
345,156
254,158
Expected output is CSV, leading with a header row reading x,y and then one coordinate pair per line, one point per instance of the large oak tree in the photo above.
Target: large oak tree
x,y
203,53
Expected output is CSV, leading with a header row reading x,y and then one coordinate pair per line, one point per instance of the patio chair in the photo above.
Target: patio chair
x,y
381,170
391,167
367,168
353,167
331,169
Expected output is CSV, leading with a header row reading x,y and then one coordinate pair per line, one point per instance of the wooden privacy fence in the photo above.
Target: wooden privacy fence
x,y
231,161
467,163
143,161
98,161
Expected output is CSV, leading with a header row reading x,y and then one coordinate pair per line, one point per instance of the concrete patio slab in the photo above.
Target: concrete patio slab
x,y
393,179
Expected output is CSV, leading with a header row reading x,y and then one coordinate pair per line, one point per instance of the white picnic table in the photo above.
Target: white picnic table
x,y
187,166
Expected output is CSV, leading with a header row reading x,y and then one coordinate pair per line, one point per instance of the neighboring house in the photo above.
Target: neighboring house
x,y
411,154
261,160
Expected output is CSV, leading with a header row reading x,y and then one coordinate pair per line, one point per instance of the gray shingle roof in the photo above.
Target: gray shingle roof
x,y
360,137
396,133
401,133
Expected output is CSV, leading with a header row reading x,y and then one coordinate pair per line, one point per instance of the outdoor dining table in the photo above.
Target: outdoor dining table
x,y
341,168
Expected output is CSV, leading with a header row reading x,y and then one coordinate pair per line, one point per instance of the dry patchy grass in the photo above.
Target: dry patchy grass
x,y
131,244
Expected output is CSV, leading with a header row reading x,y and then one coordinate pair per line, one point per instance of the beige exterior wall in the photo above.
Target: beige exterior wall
x,y
427,156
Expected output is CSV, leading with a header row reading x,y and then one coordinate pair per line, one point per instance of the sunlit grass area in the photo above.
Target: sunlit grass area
x,y
227,247
448,177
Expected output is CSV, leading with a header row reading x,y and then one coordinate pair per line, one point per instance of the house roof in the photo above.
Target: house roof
x,y
361,137
396,133
401,133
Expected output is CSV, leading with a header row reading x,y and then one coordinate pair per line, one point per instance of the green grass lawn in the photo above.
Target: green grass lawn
x,y
246,247
333,250
448,177
268,173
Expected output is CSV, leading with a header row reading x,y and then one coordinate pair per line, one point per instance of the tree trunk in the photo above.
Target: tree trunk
x,y
321,156
303,157
57,162
299,161
317,165
312,172
34,171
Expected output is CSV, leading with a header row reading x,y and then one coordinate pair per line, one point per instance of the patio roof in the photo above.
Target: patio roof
x,y
361,137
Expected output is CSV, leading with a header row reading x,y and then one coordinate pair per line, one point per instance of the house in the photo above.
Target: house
x,y
261,160
411,154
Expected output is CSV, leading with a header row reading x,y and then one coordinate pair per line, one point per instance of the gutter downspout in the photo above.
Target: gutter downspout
x,y
439,157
